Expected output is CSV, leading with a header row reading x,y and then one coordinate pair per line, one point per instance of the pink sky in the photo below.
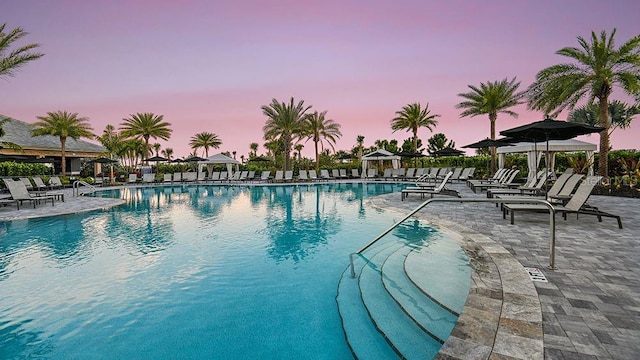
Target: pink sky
x,y
211,65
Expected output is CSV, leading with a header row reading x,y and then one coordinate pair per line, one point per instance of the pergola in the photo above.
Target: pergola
x,y
380,155
536,150
217,159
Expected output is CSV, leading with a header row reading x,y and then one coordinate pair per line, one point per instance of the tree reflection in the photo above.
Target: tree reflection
x,y
294,237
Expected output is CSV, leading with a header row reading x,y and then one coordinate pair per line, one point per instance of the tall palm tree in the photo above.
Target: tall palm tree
x,y
112,141
411,118
10,62
63,125
156,147
254,148
620,115
492,98
167,153
205,140
145,126
284,122
320,129
598,66
360,141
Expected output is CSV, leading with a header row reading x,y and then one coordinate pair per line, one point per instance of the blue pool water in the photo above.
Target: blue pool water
x,y
186,272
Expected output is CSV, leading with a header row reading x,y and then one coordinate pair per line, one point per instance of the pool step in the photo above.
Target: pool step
x,y
385,312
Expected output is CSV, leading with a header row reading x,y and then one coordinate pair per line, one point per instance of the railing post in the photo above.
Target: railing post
x,y
552,241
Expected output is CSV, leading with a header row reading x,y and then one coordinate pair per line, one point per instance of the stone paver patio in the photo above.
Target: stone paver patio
x,y
591,304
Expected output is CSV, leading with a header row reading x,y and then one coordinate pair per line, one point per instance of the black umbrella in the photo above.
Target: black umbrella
x,y
102,160
156,159
448,152
549,129
411,154
489,143
194,159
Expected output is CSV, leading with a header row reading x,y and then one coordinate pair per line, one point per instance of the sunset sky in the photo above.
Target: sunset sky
x,y
211,65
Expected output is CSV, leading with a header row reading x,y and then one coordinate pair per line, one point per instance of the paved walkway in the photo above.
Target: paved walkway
x,y
591,304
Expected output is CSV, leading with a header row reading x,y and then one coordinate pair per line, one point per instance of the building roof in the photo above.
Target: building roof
x,y
19,132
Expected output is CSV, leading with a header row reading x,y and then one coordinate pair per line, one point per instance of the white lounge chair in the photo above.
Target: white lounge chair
x,y
440,189
20,194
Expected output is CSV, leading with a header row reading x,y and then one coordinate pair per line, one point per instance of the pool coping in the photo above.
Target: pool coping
x,y
502,317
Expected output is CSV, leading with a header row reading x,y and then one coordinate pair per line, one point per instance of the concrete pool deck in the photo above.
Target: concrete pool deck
x,y
590,306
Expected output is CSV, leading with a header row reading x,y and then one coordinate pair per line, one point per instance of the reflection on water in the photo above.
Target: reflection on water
x,y
173,252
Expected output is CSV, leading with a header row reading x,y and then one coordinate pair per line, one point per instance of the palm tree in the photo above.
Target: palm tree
x,y
492,98
12,61
620,115
205,140
298,149
63,125
112,141
317,128
360,141
167,153
598,67
284,122
156,148
254,149
411,118
145,126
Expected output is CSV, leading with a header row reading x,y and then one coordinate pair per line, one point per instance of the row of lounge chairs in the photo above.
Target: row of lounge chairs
x,y
19,193
568,194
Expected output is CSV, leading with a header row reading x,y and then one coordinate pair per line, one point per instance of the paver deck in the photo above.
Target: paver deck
x,y
590,304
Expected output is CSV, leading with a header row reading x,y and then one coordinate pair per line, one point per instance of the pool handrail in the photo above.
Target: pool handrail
x,y
76,188
552,222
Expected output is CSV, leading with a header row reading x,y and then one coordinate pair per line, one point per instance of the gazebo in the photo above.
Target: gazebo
x,y
535,151
217,159
379,155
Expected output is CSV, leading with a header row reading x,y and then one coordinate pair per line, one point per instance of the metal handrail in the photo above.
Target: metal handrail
x,y
552,223
76,187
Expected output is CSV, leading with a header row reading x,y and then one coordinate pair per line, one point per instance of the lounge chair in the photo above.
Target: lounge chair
x,y
506,182
40,185
577,204
410,174
312,175
533,185
133,178
288,175
265,176
224,176
302,175
324,174
372,173
467,174
440,189
343,173
279,176
27,183
166,178
20,194
55,183
335,173
499,174
251,175
456,174
562,188
177,177
202,177
355,173
215,176
419,172
148,178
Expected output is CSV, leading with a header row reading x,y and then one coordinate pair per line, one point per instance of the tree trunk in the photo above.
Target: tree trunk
x,y
315,140
492,120
63,141
603,159
287,151
415,146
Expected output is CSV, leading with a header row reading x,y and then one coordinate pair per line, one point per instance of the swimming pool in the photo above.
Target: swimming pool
x,y
187,272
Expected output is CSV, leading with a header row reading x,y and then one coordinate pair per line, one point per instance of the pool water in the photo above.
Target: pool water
x,y
193,272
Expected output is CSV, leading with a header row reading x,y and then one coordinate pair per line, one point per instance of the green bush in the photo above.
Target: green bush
x,y
12,168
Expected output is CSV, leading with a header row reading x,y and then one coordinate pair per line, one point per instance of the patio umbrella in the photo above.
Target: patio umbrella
x,y
194,159
260,159
156,159
104,160
549,129
490,143
448,152
486,143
